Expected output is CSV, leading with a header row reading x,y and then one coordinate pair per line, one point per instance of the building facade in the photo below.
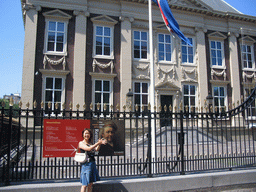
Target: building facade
x,y
90,51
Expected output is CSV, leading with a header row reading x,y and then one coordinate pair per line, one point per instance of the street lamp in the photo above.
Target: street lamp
x,y
129,98
209,100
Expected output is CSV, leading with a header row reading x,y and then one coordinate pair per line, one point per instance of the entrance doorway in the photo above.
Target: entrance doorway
x,y
165,100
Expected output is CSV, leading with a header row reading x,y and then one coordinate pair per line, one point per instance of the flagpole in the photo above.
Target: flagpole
x,y
152,78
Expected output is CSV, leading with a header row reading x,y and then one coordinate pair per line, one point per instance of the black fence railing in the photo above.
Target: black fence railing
x,y
153,143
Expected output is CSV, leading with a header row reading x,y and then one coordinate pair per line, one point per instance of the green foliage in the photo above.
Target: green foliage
x,y
7,107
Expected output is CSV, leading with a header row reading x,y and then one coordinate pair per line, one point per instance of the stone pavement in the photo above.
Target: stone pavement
x,y
229,181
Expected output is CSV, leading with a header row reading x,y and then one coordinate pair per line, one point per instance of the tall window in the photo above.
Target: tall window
x,y
187,52
247,58
140,45
164,47
141,95
53,93
251,110
56,37
216,53
219,98
189,96
103,41
102,91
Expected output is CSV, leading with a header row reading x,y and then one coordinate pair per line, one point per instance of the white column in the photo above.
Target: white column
x,y
125,58
79,58
29,54
234,68
202,65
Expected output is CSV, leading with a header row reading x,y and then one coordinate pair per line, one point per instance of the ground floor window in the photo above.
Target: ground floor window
x,y
189,97
53,94
102,94
141,95
219,97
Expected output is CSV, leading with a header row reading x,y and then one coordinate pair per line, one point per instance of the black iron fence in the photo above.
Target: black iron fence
x,y
158,142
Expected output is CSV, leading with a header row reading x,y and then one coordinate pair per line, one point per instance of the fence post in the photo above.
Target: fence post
x,y
182,143
149,144
7,171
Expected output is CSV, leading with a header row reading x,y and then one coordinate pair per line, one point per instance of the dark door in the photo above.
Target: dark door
x,y
165,116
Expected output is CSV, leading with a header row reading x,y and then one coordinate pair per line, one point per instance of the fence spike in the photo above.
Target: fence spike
x,y
154,108
77,106
170,107
237,102
98,106
186,107
175,108
56,105
211,109
20,104
111,107
105,106
202,109
124,107
70,105
63,105
11,101
130,107
91,106
35,104
42,105
136,107
118,107
181,106
27,105
142,107
165,108
149,106
3,103
160,108
84,106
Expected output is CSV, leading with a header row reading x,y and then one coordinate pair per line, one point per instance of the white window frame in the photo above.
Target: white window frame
x,y
219,97
189,96
62,92
164,43
222,66
54,74
64,52
187,46
141,59
111,56
252,57
106,77
141,94
110,92
250,116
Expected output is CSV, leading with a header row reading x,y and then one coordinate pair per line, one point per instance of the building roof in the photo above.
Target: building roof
x,y
220,5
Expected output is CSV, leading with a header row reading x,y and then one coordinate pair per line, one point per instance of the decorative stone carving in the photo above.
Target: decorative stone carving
x,y
141,68
166,73
186,75
223,73
102,66
246,76
55,62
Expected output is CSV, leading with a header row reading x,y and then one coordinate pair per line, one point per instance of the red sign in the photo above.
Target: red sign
x,y
61,137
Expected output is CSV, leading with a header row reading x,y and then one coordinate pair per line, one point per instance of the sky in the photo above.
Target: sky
x,y
12,41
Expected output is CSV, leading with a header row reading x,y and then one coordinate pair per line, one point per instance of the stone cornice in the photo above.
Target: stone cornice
x,y
218,14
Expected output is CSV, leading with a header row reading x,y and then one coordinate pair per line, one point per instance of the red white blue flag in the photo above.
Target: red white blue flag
x,y
169,20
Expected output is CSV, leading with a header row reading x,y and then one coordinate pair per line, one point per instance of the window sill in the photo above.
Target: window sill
x,y
56,53
103,57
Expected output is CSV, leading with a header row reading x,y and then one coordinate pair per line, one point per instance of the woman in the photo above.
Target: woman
x,y
89,172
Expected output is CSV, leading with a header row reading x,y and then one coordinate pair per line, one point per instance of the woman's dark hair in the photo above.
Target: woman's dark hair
x,y
90,131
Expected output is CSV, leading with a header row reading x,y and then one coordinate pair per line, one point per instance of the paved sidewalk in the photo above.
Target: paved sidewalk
x,y
229,181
